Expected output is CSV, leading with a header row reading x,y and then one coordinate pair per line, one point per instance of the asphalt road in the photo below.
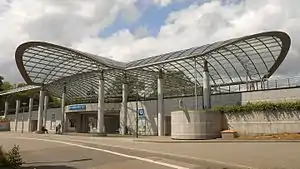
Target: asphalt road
x,y
41,153
107,152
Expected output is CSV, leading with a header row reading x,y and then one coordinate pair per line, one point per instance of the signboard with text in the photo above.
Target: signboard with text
x,y
77,107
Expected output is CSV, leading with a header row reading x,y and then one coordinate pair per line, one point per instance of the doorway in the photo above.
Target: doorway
x,y
33,126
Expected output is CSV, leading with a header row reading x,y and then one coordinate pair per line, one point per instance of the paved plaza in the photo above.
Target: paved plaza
x,y
62,151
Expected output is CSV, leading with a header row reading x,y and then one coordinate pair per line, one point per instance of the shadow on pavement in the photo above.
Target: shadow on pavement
x,y
66,161
49,167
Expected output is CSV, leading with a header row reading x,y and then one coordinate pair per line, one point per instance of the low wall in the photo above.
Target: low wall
x,y
5,126
257,123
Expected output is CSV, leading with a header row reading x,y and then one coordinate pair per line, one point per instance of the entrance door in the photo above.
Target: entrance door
x,y
33,126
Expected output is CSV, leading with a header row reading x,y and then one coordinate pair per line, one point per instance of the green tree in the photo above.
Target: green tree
x,y
134,84
1,83
6,86
174,83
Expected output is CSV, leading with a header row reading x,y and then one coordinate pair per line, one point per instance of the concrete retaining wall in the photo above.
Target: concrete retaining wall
x,y
256,123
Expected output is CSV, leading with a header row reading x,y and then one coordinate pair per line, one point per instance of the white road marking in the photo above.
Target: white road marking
x,y
161,153
108,151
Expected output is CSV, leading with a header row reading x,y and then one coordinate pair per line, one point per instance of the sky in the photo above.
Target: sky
x,y
126,30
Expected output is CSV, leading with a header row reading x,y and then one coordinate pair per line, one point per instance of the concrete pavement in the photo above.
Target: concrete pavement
x,y
189,155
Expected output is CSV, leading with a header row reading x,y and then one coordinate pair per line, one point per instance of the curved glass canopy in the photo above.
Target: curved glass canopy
x,y
235,61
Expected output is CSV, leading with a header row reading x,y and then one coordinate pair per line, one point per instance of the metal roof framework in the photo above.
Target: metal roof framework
x,y
19,89
234,61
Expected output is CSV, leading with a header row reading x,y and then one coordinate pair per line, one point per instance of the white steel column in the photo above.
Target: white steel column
x,y
160,104
63,114
100,120
63,117
45,110
195,88
29,114
40,110
6,108
18,103
206,87
123,112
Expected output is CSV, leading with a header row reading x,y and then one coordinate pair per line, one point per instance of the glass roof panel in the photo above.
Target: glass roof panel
x,y
229,62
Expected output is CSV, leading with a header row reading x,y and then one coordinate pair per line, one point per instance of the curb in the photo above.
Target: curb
x,y
218,141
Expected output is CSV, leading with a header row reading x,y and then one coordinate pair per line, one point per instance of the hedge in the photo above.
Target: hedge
x,y
260,106
2,119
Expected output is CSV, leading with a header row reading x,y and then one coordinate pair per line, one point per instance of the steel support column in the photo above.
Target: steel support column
x,y
195,87
100,120
29,114
6,108
40,110
63,114
18,103
160,104
46,101
123,112
206,87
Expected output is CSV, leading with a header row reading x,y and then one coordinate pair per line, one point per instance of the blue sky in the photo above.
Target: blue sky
x,y
153,17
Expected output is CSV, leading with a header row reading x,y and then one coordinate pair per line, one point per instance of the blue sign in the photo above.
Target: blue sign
x,y
77,107
141,112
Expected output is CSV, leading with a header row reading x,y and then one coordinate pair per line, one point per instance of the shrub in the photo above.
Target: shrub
x,y
14,158
11,159
260,106
2,119
3,161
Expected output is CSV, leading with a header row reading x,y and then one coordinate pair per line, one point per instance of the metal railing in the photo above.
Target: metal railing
x,y
271,84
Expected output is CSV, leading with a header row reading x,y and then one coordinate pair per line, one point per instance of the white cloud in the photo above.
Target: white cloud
x,y
162,2
77,23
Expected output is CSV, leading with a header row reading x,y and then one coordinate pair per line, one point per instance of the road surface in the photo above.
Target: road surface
x,y
94,152
45,153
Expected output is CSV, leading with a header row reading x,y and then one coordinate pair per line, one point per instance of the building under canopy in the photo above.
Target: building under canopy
x,y
71,74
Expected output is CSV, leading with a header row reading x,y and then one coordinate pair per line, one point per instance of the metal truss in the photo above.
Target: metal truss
x,y
19,89
236,61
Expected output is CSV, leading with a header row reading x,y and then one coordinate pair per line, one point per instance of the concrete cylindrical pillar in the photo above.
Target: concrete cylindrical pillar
x,y
40,110
18,103
206,87
5,108
160,104
29,114
123,112
46,101
100,117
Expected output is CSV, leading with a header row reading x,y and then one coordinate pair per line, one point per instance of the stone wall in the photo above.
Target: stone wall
x,y
256,123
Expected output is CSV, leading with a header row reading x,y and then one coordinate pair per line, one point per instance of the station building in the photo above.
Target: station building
x,y
101,95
